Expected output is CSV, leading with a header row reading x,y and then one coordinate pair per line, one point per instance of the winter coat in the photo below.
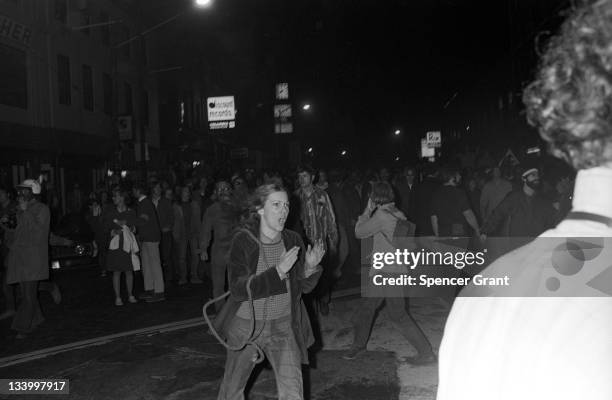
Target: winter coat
x,y
28,258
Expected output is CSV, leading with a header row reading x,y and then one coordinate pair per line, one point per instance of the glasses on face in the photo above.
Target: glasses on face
x,y
278,205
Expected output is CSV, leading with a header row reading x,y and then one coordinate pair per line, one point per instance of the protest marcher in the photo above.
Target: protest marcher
x,y
274,262
149,236
378,221
118,260
28,257
218,222
319,222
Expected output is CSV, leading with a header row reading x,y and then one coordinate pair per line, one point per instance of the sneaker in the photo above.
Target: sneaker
x,y
132,299
197,281
118,301
156,297
353,353
146,296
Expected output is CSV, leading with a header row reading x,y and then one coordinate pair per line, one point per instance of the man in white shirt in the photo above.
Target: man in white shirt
x,y
528,347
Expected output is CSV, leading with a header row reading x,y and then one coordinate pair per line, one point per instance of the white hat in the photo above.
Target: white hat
x,y
31,184
529,171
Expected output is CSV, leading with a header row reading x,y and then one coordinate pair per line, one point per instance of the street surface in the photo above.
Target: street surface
x,y
187,363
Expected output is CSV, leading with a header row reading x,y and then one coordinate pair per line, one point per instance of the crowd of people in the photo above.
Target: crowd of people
x,y
271,238
169,231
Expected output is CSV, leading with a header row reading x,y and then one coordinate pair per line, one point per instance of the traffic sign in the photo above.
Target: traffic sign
x,y
434,139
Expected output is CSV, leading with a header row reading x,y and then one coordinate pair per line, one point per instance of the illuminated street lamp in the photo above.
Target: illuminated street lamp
x,y
343,153
203,3
306,107
397,132
310,149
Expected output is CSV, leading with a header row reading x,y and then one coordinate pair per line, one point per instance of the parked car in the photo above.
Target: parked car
x,y
71,243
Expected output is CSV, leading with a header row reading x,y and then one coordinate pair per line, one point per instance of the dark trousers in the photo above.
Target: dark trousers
x,y
396,311
278,344
8,291
29,314
165,249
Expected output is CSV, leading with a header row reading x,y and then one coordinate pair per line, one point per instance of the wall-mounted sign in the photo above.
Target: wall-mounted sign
x,y
221,125
283,127
15,31
124,126
221,112
282,111
282,91
427,151
434,139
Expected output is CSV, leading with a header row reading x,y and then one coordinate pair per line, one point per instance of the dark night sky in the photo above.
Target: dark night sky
x,y
367,66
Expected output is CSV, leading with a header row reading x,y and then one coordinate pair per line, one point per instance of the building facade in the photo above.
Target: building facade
x,y
69,72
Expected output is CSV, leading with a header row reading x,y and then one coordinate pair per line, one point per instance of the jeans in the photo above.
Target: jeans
x,y
151,267
29,314
396,311
278,344
181,254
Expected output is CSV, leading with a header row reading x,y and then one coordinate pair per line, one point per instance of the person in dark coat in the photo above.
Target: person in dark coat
x,y
149,236
422,201
523,213
274,262
28,258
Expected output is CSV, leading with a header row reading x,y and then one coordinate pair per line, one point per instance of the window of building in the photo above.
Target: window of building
x,y
129,106
63,80
105,30
145,108
13,77
88,90
107,88
61,10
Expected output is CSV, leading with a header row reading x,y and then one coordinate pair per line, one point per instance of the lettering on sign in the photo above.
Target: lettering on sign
x,y
15,31
221,108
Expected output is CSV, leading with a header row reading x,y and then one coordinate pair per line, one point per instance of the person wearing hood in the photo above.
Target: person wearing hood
x,y
379,221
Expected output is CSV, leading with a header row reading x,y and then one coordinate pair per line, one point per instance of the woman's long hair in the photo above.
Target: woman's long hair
x,y
251,218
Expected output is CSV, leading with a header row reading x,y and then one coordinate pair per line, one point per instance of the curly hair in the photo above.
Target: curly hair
x,y
571,99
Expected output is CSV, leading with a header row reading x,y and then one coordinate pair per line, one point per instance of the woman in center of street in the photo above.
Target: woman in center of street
x,y
281,270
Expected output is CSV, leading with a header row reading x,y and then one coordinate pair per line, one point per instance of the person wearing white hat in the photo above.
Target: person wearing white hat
x,y
523,213
28,258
